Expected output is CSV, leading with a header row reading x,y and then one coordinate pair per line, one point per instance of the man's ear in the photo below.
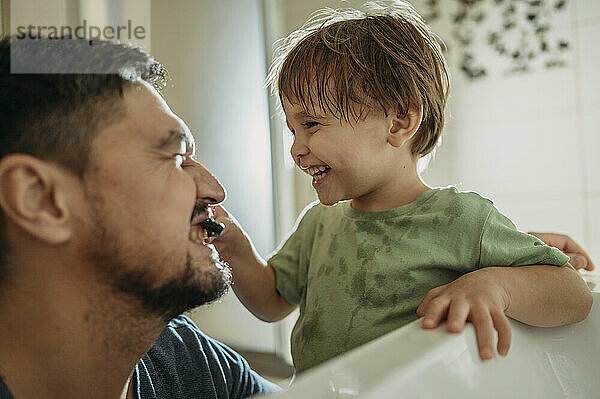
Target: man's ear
x,y
31,197
403,127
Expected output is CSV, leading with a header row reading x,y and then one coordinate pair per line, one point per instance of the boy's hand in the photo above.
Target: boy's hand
x,y
232,234
579,258
476,297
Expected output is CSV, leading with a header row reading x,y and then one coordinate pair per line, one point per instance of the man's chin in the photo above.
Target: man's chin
x,y
198,285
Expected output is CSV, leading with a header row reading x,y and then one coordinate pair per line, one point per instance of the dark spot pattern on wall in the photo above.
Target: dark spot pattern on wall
x,y
519,32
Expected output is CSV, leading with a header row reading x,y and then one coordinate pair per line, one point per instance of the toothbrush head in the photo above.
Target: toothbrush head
x,y
213,228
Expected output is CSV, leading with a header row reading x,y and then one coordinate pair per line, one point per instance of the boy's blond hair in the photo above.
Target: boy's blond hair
x,y
350,62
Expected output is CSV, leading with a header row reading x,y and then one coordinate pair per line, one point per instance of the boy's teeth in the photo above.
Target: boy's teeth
x,y
318,177
314,170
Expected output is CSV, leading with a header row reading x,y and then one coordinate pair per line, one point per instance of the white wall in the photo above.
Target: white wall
x,y
530,141
214,52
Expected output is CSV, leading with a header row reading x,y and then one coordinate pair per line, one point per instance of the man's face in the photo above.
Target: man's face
x,y
143,190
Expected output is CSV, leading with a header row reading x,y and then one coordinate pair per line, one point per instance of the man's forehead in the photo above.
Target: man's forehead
x,y
157,123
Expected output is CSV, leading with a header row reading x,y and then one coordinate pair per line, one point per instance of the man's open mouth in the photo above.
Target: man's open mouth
x,y
199,235
204,229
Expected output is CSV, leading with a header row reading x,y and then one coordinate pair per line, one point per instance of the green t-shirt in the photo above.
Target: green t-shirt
x,y
358,275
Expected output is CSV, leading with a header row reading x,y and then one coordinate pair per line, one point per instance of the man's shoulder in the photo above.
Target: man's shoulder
x,y
187,334
182,321
184,358
4,391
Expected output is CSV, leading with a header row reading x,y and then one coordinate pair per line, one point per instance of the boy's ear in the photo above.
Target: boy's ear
x,y
32,198
403,127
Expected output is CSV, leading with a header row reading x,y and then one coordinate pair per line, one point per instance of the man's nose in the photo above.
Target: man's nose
x,y
208,187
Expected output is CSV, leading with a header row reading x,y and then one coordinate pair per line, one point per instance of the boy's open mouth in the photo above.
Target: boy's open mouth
x,y
318,173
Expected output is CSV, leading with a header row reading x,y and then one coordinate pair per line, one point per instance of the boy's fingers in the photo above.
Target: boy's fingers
x,y
425,302
504,333
577,261
423,306
567,245
484,330
457,315
571,246
435,311
219,214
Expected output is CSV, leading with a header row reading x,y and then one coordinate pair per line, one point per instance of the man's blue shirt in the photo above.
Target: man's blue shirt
x,y
185,363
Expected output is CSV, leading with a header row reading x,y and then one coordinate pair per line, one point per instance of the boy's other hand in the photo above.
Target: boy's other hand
x,y
476,297
579,258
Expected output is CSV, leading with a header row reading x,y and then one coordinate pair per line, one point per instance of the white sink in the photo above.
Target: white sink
x,y
559,362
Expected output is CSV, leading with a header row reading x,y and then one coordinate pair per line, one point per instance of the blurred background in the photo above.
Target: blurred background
x,y
523,123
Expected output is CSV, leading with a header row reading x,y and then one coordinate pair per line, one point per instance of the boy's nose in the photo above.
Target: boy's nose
x,y
298,150
208,187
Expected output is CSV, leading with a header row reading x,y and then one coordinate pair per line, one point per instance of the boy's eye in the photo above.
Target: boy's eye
x,y
308,125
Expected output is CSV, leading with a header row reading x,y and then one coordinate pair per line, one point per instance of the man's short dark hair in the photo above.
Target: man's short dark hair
x,y
54,116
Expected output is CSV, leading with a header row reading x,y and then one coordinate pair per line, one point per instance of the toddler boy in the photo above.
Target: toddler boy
x,y
364,96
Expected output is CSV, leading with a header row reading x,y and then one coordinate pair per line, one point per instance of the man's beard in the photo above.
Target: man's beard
x,y
129,272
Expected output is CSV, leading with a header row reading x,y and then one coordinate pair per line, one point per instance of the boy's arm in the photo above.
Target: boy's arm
x,y
253,279
536,295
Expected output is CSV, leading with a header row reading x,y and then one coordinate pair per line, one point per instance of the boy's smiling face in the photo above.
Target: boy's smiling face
x,y
346,160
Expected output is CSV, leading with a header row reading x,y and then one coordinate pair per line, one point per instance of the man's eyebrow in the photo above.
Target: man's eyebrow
x,y
174,137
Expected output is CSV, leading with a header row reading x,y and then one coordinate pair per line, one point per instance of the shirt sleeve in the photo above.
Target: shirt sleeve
x,y
503,245
241,380
290,261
